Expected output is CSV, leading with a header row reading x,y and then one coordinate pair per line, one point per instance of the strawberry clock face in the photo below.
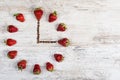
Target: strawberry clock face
x,y
37,67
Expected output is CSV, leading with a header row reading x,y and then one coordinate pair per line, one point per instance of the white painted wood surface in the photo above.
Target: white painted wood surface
x,y
93,29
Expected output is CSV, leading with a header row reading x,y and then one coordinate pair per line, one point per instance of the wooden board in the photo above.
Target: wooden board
x,y
93,29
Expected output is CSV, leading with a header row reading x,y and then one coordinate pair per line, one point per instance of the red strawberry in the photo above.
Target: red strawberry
x,y
58,57
22,64
61,27
12,29
10,42
12,54
20,17
38,12
64,42
49,66
36,69
52,16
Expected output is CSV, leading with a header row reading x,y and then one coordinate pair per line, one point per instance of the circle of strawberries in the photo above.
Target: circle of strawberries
x,y
22,64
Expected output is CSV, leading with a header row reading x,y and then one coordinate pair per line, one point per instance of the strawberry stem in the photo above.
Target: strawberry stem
x,y
55,12
20,68
15,14
5,41
8,56
38,8
63,24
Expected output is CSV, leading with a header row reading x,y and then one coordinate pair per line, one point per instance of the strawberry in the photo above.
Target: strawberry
x,y
20,17
38,12
22,64
49,66
58,57
10,42
64,42
12,29
37,69
61,27
12,54
52,16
